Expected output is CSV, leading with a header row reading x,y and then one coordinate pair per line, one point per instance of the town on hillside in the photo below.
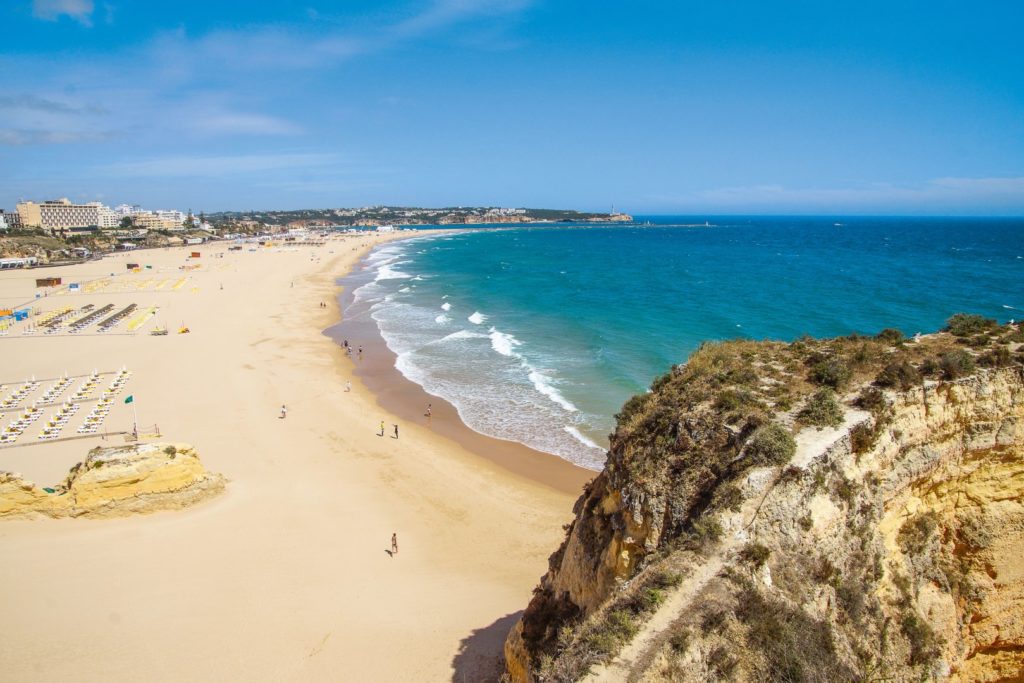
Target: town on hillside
x,y
59,230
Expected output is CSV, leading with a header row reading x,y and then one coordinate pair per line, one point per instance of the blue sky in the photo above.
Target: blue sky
x,y
658,107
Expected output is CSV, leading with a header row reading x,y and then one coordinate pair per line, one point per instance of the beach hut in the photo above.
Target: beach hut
x,y
48,282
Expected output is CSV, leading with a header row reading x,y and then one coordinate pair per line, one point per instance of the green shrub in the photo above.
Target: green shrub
x,y
956,364
771,445
666,579
929,367
966,324
706,532
914,535
890,336
863,437
631,407
622,624
755,554
728,497
722,662
821,410
900,374
977,341
831,372
925,645
730,400
997,358
679,641
795,646
871,399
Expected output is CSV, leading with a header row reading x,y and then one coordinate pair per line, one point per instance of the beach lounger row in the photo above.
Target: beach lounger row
x,y
116,319
60,419
53,393
50,324
94,420
89,319
88,386
19,394
120,379
18,426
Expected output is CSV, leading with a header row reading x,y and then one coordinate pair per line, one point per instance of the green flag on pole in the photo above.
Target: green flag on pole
x,y
129,399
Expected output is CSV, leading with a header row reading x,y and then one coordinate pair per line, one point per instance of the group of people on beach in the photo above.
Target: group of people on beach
x,y
348,349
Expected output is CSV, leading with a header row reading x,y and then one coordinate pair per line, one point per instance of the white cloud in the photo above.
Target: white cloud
x,y
939,194
213,166
52,10
20,136
281,48
443,13
243,124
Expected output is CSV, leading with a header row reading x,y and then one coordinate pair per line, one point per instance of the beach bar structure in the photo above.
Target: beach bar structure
x,y
48,282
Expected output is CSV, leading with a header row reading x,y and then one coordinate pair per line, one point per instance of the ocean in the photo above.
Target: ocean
x,y
539,334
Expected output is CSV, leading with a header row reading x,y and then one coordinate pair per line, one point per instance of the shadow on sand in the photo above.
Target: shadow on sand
x,y
480,659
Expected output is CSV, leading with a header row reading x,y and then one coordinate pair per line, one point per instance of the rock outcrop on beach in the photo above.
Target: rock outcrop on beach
x,y
113,482
827,510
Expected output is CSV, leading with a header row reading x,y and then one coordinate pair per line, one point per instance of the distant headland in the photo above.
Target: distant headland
x,y
373,216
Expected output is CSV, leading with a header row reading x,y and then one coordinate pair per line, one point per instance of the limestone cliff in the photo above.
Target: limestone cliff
x,y
827,510
116,481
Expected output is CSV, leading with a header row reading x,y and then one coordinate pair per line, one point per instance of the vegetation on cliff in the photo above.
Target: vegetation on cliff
x,y
796,493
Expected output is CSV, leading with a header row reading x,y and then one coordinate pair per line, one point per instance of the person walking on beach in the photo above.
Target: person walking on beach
x,y
381,428
360,350
348,386
428,410
396,431
284,411
394,544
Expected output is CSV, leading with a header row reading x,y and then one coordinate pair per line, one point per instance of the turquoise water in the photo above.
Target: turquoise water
x,y
539,334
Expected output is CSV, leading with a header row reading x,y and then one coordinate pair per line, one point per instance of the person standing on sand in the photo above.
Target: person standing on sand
x,y
428,410
396,431
284,411
348,386
394,544
381,428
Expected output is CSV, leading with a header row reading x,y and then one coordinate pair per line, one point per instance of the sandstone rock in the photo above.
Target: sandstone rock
x,y
907,555
117,481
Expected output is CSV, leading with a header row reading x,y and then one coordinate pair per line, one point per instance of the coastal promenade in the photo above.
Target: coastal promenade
x,y
286,576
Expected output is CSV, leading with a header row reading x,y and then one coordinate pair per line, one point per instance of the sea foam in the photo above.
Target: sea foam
x,y
504,344
580,436
542,383
477,318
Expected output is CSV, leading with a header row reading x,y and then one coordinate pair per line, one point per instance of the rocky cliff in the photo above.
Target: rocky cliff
x,y
826,510
113,482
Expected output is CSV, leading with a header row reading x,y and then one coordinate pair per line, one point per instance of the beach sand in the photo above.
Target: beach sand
x,y
286,576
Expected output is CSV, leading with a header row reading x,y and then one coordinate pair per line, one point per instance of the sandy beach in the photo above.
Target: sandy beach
x,y
286,575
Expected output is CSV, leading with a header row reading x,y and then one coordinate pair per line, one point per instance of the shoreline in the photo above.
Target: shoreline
x,y
402,398
286,575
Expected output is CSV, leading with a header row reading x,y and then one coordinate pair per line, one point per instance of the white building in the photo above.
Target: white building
x,y
3,222
108,217
170,216
123,210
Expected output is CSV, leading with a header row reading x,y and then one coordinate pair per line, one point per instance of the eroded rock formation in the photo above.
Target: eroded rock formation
x,y
116,481
827,510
